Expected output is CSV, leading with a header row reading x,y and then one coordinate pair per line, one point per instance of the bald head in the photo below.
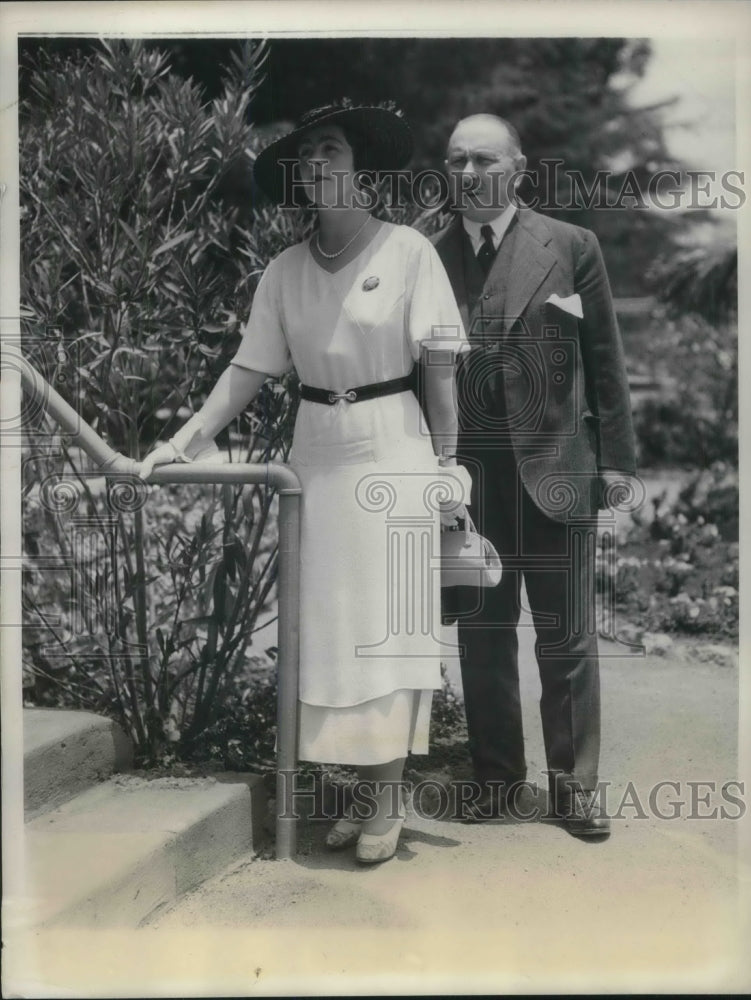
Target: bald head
x,y
491,128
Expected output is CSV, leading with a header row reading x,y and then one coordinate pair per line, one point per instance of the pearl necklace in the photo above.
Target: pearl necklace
x,y
333,256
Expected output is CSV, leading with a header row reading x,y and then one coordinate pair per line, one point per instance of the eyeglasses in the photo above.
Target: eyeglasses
x,y
482,159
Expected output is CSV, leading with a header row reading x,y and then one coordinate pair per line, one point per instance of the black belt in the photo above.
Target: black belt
x,y
360,392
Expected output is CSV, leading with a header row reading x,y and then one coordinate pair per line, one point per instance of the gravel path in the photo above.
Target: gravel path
x,y
511,906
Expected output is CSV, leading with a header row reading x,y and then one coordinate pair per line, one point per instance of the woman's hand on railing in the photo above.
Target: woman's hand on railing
x,y
165,454
188,445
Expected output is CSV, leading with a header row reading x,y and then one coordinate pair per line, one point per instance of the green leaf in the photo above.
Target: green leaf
x,y
132,236
175,241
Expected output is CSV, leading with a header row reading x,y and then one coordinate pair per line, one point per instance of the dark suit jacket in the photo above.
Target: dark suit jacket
x,y
538,379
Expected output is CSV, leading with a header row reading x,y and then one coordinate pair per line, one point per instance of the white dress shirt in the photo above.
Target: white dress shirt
x,y
499,225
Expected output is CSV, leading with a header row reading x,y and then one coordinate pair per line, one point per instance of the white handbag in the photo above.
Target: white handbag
x,y
468,559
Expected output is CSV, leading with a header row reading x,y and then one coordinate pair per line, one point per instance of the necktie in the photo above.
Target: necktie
x,y
486,253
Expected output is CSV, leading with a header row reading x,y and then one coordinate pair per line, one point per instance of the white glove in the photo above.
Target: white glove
x,y
187,445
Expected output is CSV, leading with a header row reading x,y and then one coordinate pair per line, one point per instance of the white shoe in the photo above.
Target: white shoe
x,y
372,847
343,833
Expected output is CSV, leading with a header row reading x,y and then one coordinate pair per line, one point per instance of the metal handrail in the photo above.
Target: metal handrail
x,y
282,477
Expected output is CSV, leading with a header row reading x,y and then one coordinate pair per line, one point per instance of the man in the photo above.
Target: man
x,y
545,430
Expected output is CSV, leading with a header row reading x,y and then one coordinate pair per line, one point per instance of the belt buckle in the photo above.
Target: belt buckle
x,y
350,395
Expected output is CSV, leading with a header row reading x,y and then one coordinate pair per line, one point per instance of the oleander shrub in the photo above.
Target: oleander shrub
x,y
138,266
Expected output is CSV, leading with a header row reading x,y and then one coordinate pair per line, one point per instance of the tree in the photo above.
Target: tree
x,y
568,98
703,281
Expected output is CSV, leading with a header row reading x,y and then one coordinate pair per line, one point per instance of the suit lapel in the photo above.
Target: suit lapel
x,y
531,262
530,265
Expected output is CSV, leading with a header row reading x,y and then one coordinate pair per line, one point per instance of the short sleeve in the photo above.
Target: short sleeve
x,y
433,318
264,346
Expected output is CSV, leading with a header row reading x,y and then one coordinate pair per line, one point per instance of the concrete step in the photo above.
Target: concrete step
x,y
118,852
66,752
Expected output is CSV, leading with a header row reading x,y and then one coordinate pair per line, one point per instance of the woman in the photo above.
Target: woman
x,y
356,305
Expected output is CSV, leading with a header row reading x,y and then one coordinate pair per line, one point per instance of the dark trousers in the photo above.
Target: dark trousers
x,y
557,560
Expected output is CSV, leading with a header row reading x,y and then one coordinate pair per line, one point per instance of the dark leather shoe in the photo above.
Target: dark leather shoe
x,y
491,804
517,800
582,815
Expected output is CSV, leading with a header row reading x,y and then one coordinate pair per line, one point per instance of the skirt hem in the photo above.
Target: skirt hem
x,y
373,732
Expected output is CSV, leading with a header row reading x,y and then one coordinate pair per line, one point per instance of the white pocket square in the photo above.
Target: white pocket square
x,y
571,304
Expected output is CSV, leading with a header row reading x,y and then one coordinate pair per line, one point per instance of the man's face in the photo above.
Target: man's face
x,y
481,161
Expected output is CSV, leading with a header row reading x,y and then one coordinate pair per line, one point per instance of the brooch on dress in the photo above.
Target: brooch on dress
x,y
370,283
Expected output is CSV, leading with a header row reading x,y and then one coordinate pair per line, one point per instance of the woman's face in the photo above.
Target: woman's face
x,y
326,166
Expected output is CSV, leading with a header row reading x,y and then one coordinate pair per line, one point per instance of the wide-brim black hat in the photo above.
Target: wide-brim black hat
x,y
382,127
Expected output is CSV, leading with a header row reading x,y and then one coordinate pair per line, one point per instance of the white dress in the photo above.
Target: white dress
x,y
370,628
